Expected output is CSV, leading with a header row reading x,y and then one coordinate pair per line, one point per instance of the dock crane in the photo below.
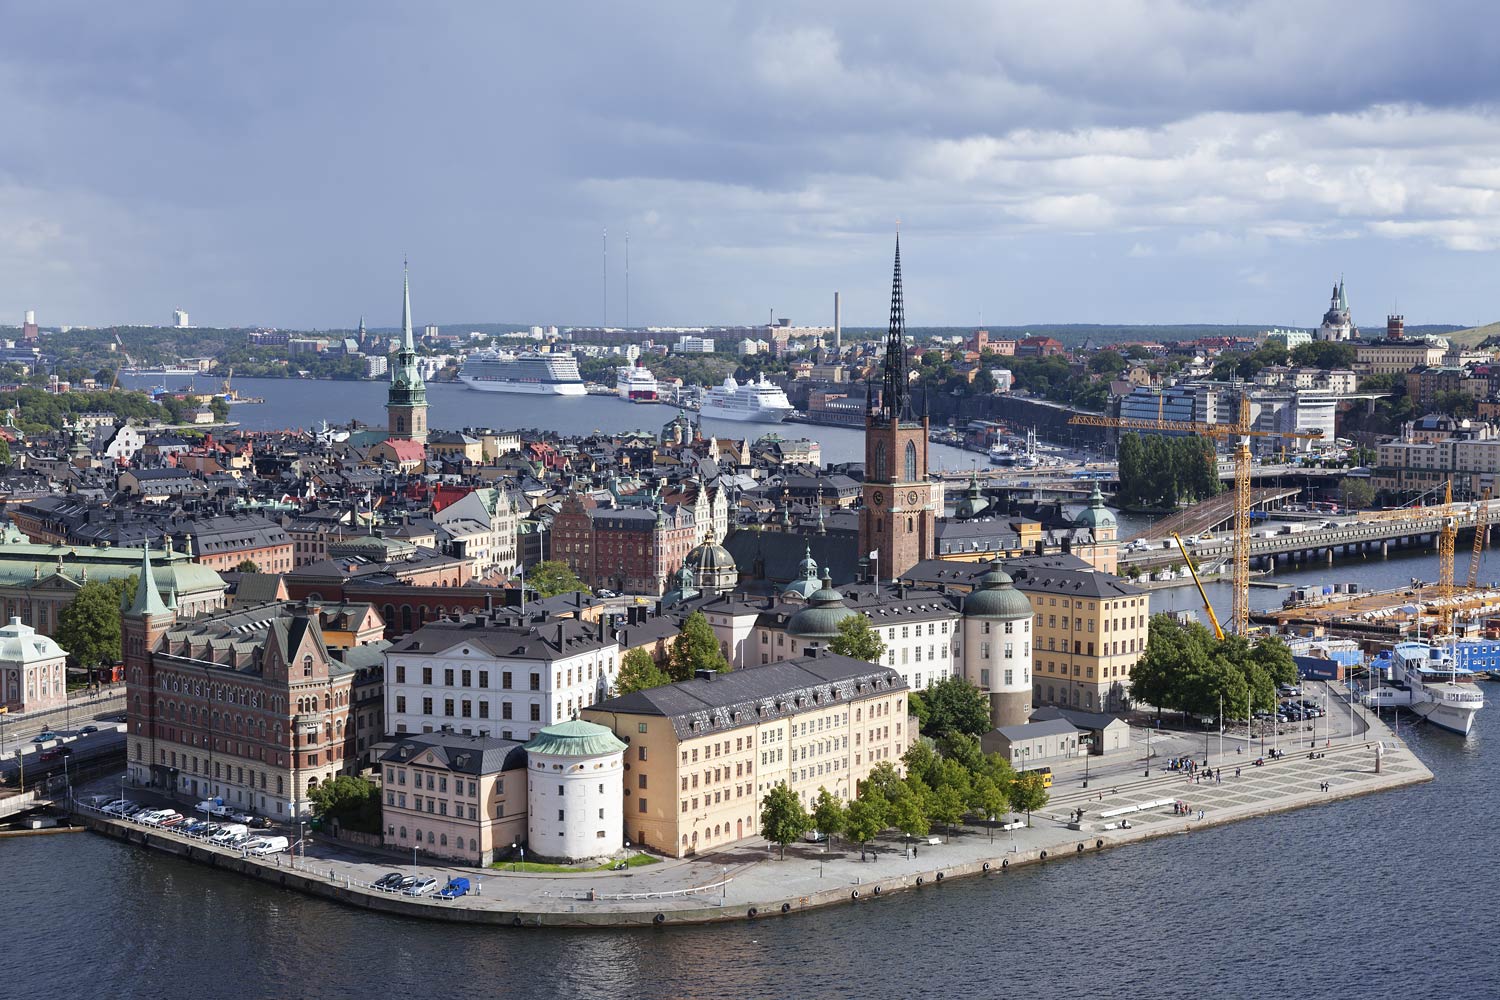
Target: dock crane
x,y
1240,431
1218,629
1481,525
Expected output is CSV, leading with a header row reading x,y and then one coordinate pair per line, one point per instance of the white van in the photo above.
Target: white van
x,y
267,845
229,833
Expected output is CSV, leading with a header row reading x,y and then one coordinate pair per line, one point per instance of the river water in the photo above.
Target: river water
x,y
1386,896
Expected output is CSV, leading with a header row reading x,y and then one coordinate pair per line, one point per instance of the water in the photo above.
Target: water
x,y
1381,896
300,403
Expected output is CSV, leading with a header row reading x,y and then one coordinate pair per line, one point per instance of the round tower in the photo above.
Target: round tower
x,y
997,646
575,812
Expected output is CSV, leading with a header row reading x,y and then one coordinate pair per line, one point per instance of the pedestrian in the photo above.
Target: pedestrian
x,y
1200,813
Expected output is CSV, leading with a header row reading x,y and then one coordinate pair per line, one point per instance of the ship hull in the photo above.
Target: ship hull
x,y
524,388
1455,720
745,416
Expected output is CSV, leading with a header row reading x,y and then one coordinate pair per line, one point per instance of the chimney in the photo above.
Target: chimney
x,y
838,330
559,635
704,674
489,602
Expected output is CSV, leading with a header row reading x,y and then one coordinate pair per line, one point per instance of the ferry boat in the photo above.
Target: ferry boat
x,y
538,374
1428,681
636,384
760,402
162,370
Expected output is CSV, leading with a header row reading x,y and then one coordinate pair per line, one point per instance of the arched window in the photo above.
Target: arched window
x,y
307,665
911,461
880,462
443,840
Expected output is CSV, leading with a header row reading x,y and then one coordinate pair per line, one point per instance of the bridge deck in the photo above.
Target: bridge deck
x,y
1210,514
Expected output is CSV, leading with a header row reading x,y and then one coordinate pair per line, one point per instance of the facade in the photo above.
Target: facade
x,y
1090,629
1396,354
497,675
250,706
406,400
454,797
489,521
33,670
1194,402
898,522
628,549
703,753
574,773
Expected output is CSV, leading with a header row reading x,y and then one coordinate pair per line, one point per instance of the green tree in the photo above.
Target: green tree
x,y
987,798
354,802
1324,354
696,648
949,799
219,407
909,810
89,627
829,815
1027,793
920,760
953,704
782,817
963,748
639,672
883,782
4,452
553,577
1107,362
866,818
247,566
1358,493
858,640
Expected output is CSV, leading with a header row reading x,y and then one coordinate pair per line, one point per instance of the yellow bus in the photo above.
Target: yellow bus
x,y
1046,773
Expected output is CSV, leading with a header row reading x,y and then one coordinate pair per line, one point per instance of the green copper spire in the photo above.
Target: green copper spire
x,y
406,340
147,599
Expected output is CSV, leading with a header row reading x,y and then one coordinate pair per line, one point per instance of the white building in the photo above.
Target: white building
x,y
496,675
1004,379
694,345
1337,324
574,809
997,631
32,666
180,319
486,520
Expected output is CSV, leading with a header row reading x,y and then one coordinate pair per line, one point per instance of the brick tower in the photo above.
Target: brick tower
x,y
142,625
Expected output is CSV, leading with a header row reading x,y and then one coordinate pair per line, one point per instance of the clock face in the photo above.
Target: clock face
x,y
879,498
911,497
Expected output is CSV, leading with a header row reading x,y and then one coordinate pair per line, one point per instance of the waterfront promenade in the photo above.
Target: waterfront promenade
x,y
747,881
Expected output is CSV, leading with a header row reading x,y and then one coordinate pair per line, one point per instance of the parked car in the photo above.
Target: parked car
x,y
118,807
229,832
403,883
267,845
44,736
387,881
88,729
175,820
421,886
456,887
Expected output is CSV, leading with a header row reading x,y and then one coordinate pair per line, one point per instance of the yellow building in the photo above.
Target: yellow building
x,y
703,753
454,796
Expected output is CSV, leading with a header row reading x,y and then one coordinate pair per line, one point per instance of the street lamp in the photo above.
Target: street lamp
x,y
1148,751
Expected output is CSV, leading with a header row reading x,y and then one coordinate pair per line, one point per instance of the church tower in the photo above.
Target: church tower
x,y
142,625
406,400
898,523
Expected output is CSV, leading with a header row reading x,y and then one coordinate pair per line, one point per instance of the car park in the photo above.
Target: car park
x,y
387,881
421,886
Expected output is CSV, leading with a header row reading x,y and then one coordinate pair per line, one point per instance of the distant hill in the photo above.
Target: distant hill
x,y
1474,335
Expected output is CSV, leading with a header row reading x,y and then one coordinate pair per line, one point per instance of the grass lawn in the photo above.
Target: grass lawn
x,y
634,861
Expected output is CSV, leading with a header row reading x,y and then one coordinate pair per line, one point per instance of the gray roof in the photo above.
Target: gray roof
x,y
514,637
755,694
1036,730
1082,720
474,755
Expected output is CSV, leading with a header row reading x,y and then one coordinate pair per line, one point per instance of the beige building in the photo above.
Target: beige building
x,y
703,753
454,796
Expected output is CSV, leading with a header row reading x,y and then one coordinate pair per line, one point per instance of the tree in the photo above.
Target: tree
x,y
1358,493
554,577
909,810
219,406
696,648
987,798
920,760
247,566
865,819
4,452
89,628
638,672
954,704
353,802
1027,793
858,640
1324,354
950,794
1107,362
782,818
829,815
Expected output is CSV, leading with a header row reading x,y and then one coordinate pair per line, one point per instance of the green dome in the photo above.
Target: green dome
x,y
997,597
1095,515
820,619
575,739
807,584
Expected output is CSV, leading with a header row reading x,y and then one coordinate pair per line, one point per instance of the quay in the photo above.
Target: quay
x,y
744,882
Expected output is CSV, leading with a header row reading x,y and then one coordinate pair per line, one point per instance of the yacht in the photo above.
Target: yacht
x,y
636,384
1428,681
540,374
759,401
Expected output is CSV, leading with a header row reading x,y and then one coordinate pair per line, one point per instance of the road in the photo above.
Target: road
x,y
17,732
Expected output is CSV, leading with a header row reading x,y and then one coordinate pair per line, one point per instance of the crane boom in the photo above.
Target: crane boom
x,y
1218,630
1481,525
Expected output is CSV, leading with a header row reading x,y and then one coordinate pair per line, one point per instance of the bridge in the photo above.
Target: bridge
x,y
1214,514
1376,532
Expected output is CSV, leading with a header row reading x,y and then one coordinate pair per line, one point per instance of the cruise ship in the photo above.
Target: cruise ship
x,y
760,402
636,384
541,374
1428,681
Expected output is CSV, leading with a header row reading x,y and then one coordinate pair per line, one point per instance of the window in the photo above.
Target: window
x,y
307,665
911,461
640,752
505,680
484,678
400,702
536,682
400,674
640,805
448,678
880,462
536,713
505,710
426,706
484,709
448,707
426,675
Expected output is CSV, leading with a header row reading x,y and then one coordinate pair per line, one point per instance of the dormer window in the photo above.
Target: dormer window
x,y
307,665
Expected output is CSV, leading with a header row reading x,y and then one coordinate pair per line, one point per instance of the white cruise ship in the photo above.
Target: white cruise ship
x,y
760,402
1427,680
636,384
541,374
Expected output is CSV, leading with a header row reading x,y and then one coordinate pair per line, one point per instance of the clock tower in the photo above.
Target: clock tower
x,y
898,522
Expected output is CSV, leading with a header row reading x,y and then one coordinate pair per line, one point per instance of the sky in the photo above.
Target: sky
x,y
1048,161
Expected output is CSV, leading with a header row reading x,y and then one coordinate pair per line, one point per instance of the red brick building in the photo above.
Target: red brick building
x,y
629,549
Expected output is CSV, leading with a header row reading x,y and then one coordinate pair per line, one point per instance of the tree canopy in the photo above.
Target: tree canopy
x,y
1187,669
89,628
858,640
782,817
354,802
952,704
639,672
695,648
553,577
1164,472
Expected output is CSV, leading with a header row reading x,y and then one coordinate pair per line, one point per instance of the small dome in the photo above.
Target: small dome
x,y
997,597
709,557
575,738
1095,515
820,619
808,583
20,643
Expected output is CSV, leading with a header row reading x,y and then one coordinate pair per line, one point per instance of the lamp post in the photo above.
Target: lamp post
x,y
1148,751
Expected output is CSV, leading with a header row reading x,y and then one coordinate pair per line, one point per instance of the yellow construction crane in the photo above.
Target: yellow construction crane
x,y
1218,630
1445,560
1241,431
1481,525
